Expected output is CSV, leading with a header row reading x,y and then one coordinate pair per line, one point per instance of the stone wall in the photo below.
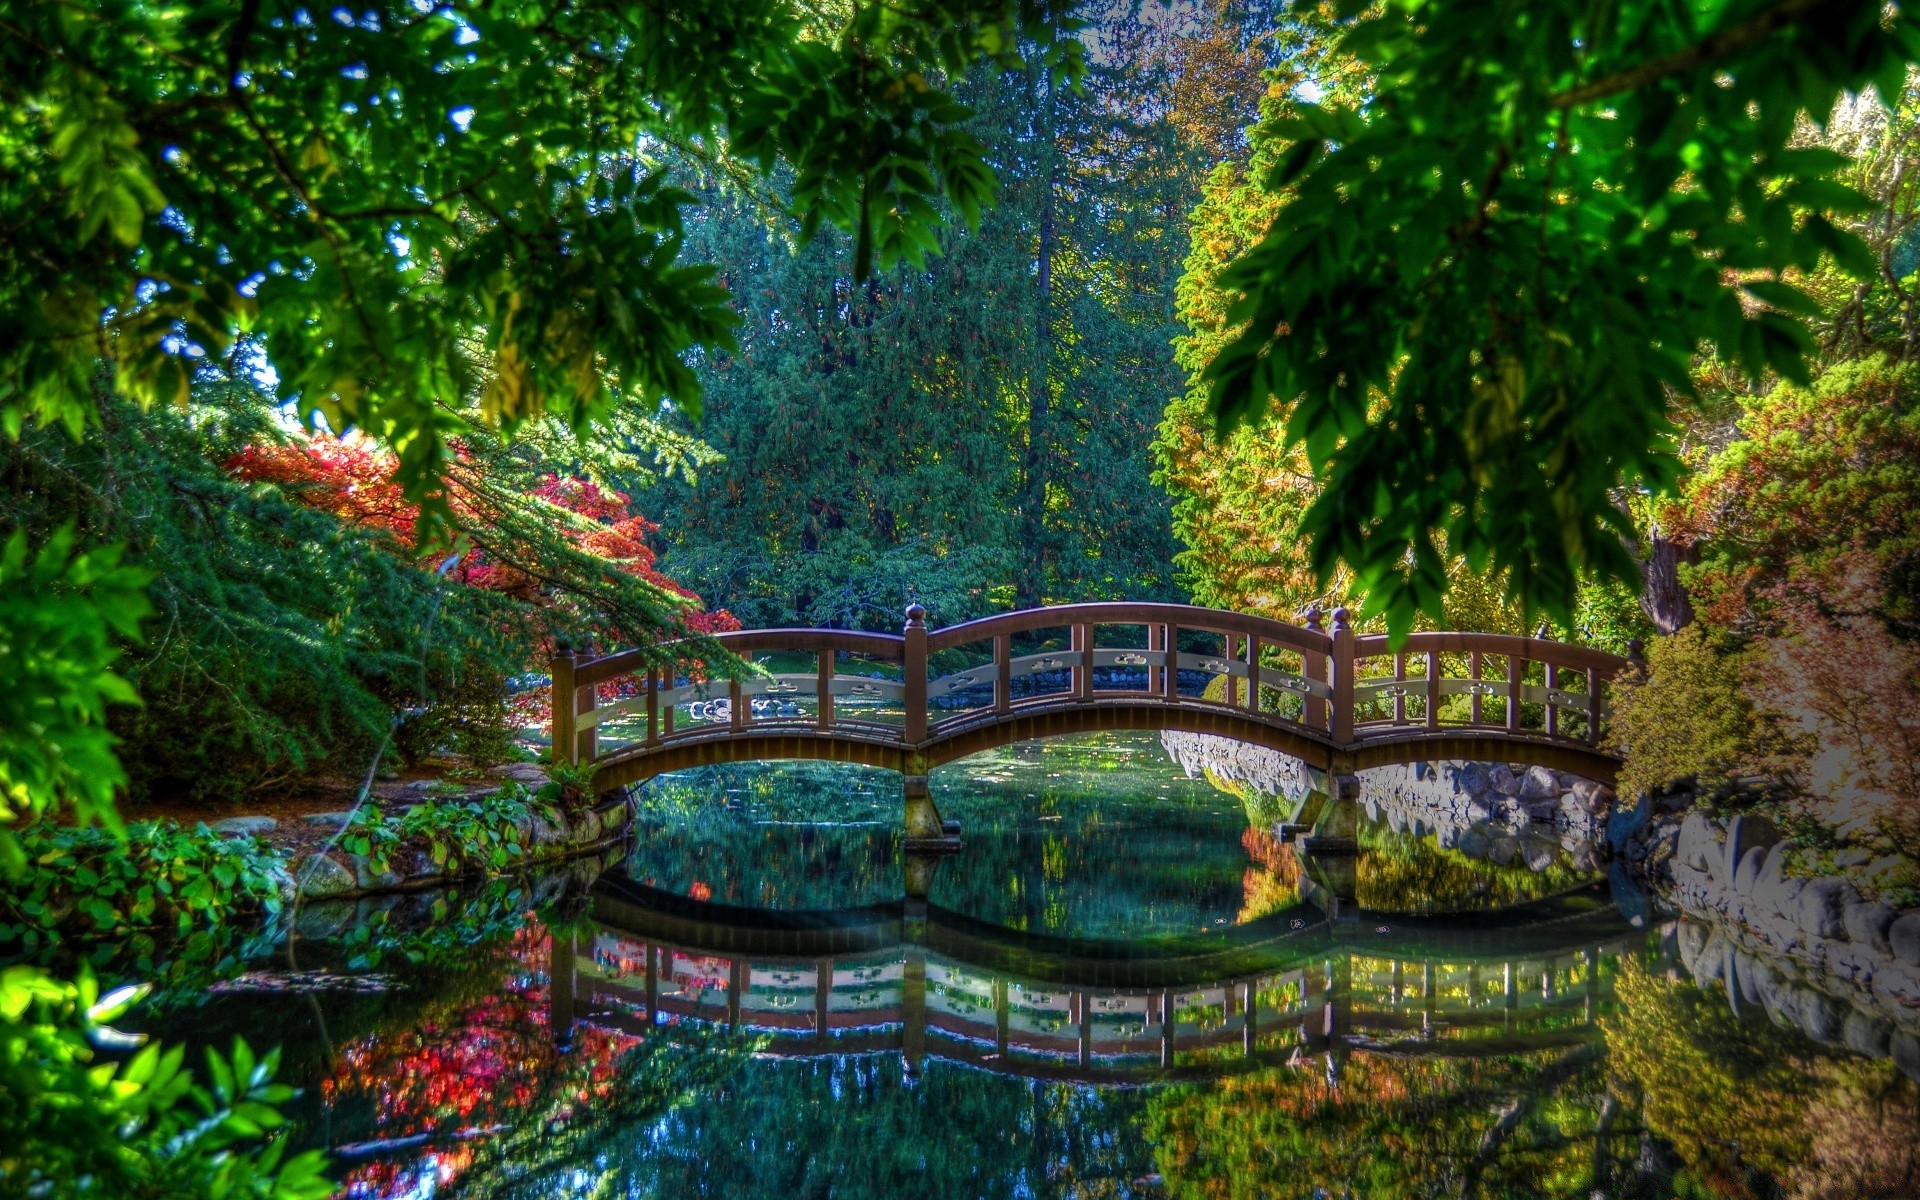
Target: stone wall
x,y
1812,952
1268,772
1500,812
1495,811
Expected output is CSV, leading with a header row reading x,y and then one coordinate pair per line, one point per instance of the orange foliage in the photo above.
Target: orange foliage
x,y
352,478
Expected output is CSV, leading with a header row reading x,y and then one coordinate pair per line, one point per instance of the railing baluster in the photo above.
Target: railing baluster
x,y
1003,672
1433,689
1174,665
823,686
1516,679
1313,665
653,705
1228,654
1474,668
737,706
1593,707
1553,710
1082,675
1253,675
1400,679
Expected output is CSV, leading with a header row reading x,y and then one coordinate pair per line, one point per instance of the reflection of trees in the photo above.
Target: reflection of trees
x,y
853,1128
1273,881
1400,872
1522,1125
1753,1109
1091,837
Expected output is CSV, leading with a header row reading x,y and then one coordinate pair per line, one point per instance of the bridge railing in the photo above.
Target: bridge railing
x,y
908,688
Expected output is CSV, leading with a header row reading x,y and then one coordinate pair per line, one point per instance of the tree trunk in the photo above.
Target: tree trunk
x,y
1030,581
1662,596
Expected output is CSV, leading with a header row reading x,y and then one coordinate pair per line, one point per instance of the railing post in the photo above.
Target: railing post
x,y
1313,665
1342,678
653,705
1003,673
1081,673
1433,689
823,686
1516,680
1253,675
565,745
915,666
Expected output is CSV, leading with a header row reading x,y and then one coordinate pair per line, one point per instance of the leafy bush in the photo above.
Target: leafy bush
x,y
142,1128
96,884
461,836
1692,717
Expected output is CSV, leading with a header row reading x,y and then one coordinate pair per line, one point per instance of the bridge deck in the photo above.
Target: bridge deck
x,y
912,701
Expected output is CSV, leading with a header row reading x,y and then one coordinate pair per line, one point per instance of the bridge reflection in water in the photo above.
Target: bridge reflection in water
x,y
1295,985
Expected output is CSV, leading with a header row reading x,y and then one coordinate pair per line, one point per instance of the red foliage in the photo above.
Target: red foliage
x,y
352,478
460,1071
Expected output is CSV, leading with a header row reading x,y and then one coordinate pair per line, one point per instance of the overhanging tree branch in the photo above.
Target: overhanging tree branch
x,y
1721,45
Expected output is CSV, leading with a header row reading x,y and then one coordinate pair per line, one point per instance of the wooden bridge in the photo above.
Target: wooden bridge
x,y
937,984
911,701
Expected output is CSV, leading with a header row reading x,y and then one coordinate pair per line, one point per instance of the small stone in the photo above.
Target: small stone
x,y
1904,936
1744,832
1823,906
1539,784
1590,796
1500,779
1748,871
1821,1016
245,825
1867,924
327,818
1865,1035
319,877
368,879
1906,1053
1852,856
1540,857
1505,850
322,920
1472,778
1696,840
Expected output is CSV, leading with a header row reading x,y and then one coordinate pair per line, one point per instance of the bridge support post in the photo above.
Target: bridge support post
x,y
913,1014
1333,848
927,832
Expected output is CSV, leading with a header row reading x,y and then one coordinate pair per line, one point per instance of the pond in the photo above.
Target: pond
x,y
1117,988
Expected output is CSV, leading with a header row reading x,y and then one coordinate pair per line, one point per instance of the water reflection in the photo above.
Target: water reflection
x,y
1116,990
944,986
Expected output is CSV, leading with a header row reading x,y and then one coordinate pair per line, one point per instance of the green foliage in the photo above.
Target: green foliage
x,y
141,1128
1816,474
978,444
410,206
1729,1094
92,884
61,612
1483,284
1691,717
286,639
463,837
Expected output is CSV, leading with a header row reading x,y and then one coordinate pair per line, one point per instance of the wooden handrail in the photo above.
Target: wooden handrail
x,y
1330,700
1128,613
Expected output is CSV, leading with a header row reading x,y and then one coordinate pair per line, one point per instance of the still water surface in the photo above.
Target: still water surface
x,y
1114,990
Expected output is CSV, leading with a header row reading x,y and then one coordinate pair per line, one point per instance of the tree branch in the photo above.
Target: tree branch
x,y
1721,45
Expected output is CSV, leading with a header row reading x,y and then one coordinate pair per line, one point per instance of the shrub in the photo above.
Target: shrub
x,y
1692,717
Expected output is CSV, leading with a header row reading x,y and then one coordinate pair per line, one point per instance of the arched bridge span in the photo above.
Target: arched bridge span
x,y
1339,701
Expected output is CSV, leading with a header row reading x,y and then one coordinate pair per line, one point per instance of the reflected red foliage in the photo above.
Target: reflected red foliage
x,y
466,1068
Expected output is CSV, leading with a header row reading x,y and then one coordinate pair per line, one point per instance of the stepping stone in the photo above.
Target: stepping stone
x,y
326,818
